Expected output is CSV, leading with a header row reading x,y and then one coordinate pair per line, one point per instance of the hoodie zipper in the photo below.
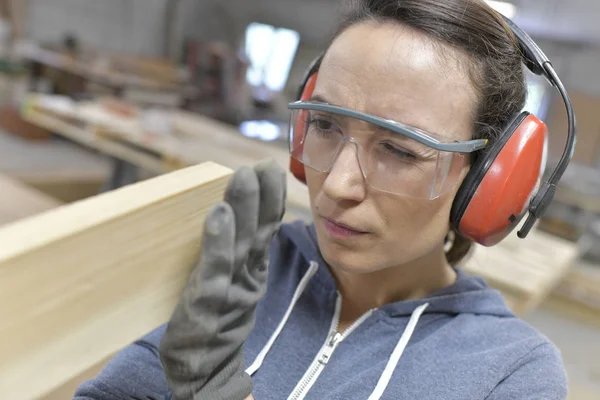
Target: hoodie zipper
x,y
334,338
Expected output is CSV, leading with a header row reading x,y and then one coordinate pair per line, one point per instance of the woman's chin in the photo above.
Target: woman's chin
x,y
349,262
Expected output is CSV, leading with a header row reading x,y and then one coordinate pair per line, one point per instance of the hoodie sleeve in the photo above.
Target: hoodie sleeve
x,y
539,375
135,373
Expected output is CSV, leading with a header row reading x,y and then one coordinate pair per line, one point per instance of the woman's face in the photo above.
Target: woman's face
x,y
396,73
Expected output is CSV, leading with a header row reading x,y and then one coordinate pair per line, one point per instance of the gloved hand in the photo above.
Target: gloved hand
x,y
201,350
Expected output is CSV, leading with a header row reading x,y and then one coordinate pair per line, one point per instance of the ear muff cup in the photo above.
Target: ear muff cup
x,y
496,192
296,167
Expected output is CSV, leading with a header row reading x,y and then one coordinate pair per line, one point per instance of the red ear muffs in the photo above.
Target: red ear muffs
x,y
496,192
296,167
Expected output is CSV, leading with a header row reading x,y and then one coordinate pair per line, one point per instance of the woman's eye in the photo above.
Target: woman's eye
x,y
398,152
323,124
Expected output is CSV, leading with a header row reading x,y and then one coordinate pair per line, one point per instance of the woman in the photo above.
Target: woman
x,y
368,301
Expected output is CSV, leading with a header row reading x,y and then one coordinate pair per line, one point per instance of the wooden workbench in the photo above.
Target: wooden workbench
x,y
85,134
526,270
196,139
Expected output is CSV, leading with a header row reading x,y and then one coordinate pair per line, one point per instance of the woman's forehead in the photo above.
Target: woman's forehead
x,y
396,73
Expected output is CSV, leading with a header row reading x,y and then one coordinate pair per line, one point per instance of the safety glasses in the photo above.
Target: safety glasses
x,y
393,157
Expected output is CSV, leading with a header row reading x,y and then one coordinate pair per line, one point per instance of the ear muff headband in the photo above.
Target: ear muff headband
x,y
502,185
539,64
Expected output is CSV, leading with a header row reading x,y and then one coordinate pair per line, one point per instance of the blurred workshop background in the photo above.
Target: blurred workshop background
x,y
97,94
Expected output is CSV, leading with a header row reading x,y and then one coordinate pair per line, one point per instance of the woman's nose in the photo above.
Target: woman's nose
x,y
345,181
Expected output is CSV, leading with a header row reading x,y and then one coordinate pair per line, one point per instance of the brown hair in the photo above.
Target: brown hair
x,y
492,59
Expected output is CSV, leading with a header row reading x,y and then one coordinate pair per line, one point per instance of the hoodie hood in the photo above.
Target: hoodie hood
x,y
469,294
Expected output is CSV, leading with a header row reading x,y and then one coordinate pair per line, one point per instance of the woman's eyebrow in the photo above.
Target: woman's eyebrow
x,y
320,99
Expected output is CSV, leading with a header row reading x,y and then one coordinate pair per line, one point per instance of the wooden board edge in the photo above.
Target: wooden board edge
x,y
114,204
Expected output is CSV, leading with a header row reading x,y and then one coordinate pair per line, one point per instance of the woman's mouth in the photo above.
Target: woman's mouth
x,y
340,230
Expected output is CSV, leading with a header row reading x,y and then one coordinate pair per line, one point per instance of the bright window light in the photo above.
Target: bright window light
x,y
271,52
263,130
507,9
258,48
284,47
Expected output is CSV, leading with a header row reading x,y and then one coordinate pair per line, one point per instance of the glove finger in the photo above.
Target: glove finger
x,y
199,309
273,192
273,180
195,320
216,261
243,195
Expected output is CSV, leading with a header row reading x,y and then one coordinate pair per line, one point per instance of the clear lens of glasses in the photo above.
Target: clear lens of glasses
x,y
390,161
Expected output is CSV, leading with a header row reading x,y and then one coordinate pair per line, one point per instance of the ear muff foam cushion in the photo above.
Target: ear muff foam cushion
x,y
497,190
296,167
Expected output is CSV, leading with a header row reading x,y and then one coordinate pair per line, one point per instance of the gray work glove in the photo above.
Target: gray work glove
x,y
201,350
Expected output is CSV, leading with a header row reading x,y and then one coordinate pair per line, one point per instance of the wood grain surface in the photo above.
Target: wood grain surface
x,y
83,280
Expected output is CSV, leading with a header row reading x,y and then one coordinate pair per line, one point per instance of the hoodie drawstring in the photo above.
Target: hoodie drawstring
x,y
299,290
386,375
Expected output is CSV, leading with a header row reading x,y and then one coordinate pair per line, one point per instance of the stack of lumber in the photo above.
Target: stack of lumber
x,y
526,270
582,286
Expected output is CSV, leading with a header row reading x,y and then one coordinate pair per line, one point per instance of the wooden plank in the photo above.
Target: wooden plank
x,y
580,187
585,201
524,270
582,285
81,281
84,69
19,201
576,310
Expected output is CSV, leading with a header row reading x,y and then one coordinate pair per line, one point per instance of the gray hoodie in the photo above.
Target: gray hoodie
x,y
459,343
